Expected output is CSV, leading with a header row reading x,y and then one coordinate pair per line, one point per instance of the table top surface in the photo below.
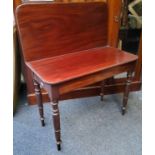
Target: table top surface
x,y
54,70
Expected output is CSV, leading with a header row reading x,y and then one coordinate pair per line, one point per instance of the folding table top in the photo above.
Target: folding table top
x,y
52,29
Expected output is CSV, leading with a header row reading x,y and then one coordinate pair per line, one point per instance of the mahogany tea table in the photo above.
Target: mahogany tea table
x,y
65,46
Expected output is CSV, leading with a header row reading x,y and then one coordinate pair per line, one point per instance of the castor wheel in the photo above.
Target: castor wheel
x,y
123,110
42,123
58,147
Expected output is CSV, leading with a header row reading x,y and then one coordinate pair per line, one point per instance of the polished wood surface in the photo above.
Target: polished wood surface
x,y
16,71
114,16
118,86
126,92
138,70
59,67
114,9
16,3
93,78
70,66
48,30
39,101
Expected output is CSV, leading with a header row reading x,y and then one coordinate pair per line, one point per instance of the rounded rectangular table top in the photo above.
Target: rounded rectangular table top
x,y
66,67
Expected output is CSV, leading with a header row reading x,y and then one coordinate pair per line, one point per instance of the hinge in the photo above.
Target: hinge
x,y
116,19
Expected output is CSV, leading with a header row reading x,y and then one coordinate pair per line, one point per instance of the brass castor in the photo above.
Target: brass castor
x,y
123,110
58,147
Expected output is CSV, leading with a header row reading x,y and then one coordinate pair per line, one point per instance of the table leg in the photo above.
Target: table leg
x,y
56,123
102,90
39,102
126,93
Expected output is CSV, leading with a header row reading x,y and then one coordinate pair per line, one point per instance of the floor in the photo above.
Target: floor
x,y
89,127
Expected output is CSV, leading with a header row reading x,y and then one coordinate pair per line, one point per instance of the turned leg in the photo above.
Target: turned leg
x,y
56,123
39,102
102,90
126,93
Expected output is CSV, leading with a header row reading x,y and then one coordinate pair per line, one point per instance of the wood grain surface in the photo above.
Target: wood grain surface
x,y
48,30
74,65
